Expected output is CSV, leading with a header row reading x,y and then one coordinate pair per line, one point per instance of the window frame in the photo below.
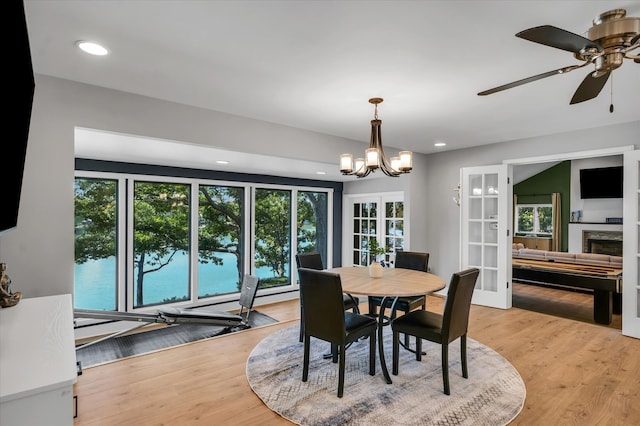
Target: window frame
x,y
125,275
536,220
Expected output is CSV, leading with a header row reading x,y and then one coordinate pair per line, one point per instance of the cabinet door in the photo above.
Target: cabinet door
x,y
543,243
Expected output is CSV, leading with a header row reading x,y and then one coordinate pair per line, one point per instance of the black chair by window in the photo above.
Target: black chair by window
x,y
325,318
417,261
442,329
314,261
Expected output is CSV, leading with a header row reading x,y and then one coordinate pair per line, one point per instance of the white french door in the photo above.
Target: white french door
x,y
380,216
486,232
631,246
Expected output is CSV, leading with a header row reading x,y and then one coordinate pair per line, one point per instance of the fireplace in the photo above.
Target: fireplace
x,y
602,242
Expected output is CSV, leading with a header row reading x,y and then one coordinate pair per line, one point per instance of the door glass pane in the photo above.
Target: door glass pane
x,y
220,239
161,243
373,209
95,270
272,237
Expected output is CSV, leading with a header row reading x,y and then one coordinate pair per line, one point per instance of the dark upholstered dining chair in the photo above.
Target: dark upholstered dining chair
x,y
325,318
442,329
417,261
314,261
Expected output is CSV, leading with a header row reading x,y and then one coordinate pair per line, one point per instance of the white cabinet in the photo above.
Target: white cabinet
x,y
37,362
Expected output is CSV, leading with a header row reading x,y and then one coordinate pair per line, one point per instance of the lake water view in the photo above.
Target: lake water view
x,y
95,281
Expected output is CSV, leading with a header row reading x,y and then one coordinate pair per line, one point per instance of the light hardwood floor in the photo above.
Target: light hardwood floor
x,y
576,372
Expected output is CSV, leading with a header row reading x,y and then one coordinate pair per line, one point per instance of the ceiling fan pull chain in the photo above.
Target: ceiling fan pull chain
x,y
611,105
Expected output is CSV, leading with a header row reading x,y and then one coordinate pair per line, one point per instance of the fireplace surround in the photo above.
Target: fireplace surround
x,y
602,242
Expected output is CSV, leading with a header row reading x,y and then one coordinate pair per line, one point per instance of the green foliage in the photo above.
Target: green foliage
x,y
375,249
525,219
221,211
161,227
312,222
273,229
95,229
545,219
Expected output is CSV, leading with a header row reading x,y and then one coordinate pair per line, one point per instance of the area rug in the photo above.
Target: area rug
x,y
493,394
149,341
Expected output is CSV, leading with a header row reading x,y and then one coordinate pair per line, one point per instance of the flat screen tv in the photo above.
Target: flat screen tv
x,y
19,76
603,182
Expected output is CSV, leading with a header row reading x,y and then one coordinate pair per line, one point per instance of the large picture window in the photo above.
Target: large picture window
x,y
96,244
161,244
143,241
313,223
221,244
273,236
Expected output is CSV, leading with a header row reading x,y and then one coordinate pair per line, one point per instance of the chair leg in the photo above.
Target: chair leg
x,y
406,336
334,352
301,324
305,360
341,372
463,355
395,353
418,349
372,353
445,368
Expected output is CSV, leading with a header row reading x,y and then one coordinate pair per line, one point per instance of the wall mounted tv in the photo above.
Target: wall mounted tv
x,y
603,182
21,79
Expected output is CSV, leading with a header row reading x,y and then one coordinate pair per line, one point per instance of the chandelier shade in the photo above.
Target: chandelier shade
x,y
375,157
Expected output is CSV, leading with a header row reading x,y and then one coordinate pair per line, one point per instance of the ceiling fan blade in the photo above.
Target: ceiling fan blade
x,y
526,80
558,38
589,88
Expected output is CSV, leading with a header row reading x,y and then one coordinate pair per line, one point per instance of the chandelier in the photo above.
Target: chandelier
x,y
374,157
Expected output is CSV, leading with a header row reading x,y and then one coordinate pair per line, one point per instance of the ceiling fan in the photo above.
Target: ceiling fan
x,y
612,38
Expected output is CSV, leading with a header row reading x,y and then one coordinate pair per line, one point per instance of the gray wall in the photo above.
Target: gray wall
x,y
39,254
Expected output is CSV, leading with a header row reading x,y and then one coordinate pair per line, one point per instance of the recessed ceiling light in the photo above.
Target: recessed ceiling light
x,y
92,48
439,144
222,162
321,173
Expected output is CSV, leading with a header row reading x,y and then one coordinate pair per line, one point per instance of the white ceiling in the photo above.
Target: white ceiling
x,y
314,64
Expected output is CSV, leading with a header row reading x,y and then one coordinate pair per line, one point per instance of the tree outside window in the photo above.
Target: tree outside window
x,y
534,219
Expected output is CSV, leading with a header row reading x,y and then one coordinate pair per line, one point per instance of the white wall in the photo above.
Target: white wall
x,y
39,254
594,210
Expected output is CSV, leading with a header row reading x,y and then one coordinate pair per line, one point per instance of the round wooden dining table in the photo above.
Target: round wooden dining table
x,y
394,283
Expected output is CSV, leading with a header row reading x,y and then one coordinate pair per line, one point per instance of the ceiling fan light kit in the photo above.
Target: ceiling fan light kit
x,y
375,157
612,39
